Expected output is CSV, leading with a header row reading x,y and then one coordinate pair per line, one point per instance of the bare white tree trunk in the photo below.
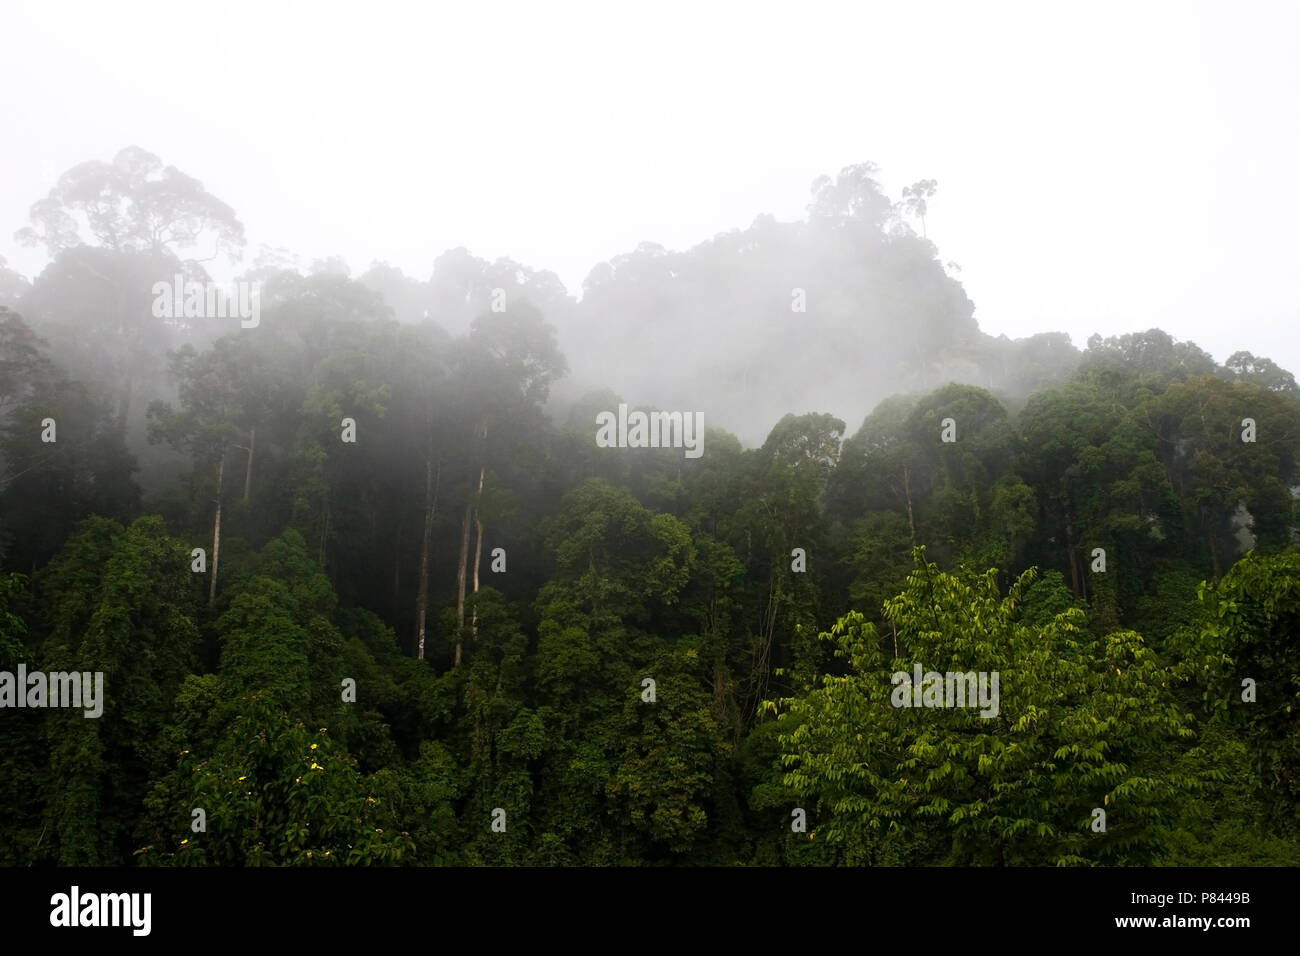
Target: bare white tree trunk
x,y
478,552
216,531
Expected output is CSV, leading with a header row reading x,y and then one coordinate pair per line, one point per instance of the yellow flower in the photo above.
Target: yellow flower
x,y
313,746
183,842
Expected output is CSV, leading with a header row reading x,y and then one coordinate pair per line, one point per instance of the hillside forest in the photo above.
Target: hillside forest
x,y
365,588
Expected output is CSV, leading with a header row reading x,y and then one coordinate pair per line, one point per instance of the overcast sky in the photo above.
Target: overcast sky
x,y
1101,167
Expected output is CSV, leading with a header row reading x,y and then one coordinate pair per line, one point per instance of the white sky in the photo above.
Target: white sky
x,y
1102,167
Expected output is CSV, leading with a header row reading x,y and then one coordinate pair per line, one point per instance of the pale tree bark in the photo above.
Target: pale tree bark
x,y
471,512
460,577
478,559
760,673
216,531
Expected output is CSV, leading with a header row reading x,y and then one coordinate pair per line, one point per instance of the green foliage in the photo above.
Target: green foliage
x,y
140,633
275,793
1245,631
723,579
1082,723
664,776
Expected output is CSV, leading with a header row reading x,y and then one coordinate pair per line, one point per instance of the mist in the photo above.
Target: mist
x,y
704,435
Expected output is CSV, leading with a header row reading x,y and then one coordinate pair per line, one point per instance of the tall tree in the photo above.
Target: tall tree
x,y
1080,723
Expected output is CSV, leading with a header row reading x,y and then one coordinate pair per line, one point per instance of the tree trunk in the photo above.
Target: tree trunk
x,y
422,594
471,507
216,531
460,575
248,472
767,632
478,555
